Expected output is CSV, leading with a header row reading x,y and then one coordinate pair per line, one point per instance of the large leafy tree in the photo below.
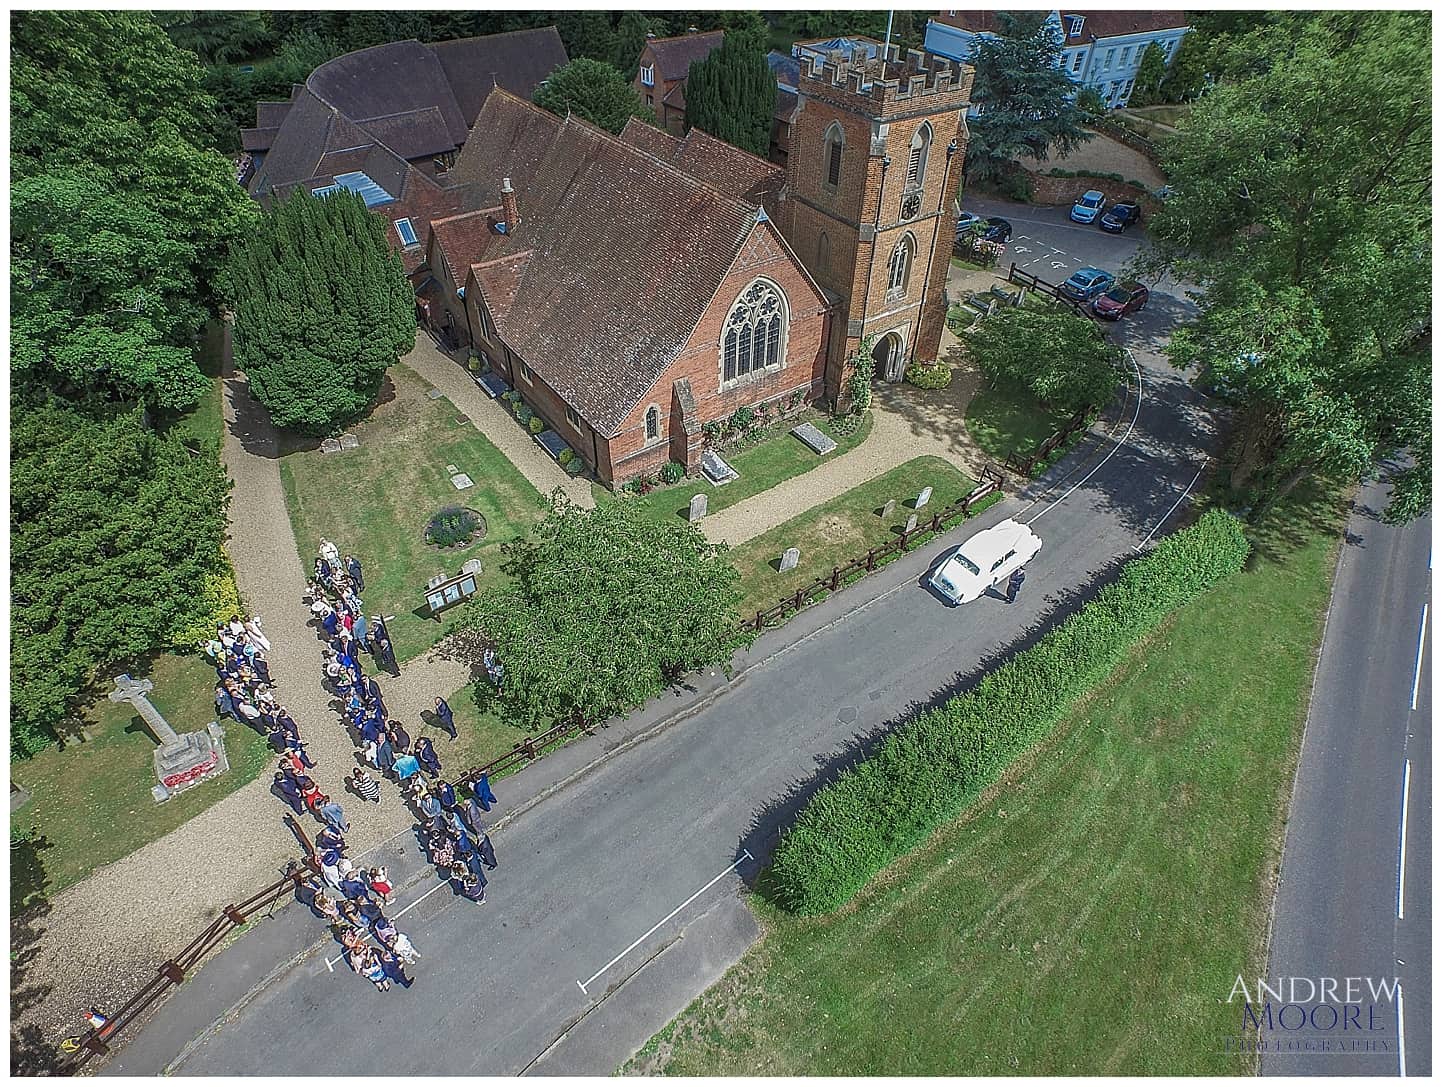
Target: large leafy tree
x,y
731,94
604,607
322,308
216,36
120,215
1150,74
1303,210
114,529
1056,354
1024,97
594,90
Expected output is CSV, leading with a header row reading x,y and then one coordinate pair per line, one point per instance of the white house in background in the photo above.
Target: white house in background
x,y
1101,49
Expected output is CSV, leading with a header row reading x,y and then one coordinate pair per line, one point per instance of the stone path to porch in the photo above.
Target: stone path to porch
x,y
492,420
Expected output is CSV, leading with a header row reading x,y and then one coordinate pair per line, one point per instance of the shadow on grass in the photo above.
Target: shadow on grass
x,y
31,1053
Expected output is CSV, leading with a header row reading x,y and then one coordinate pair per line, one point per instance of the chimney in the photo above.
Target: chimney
x,y
509,212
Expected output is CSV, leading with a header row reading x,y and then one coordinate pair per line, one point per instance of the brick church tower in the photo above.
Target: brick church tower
x,y
874,164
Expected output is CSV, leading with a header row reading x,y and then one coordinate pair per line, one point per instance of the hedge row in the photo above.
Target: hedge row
x,y
933,767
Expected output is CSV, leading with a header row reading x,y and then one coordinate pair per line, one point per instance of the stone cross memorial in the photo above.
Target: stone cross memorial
x,y
698,508
790,558
924,497
181,760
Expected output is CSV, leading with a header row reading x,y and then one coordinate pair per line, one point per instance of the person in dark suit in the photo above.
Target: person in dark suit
x,y
446,716
400,738
353,568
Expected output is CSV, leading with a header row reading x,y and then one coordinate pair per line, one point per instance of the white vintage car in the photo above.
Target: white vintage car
x,y
987,558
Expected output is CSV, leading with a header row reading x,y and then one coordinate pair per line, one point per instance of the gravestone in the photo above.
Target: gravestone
x,y
790,558
911,524
349,441
461,481
471,566
715,468
813,439
889,510
330,445
181,761
435,394
698,508
451,469
924,497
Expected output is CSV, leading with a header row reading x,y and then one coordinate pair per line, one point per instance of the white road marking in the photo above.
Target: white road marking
x,y
1171,511
1058,264
1402,840
330,963
1417,668
1120,442
745,856
1401,1036
1020,249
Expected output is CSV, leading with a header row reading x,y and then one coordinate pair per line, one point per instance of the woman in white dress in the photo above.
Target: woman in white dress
x,y
252,627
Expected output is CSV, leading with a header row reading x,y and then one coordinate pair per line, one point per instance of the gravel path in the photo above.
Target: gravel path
x,y
102,938
497,424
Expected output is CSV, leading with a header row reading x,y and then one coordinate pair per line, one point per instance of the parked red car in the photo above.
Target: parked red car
x,y
1122,299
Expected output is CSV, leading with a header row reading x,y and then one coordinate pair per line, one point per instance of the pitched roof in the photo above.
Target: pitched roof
x,y
463,239
411,100
674,56
1113,24
616,259
729,169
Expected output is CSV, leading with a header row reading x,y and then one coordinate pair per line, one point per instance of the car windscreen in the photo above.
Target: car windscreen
x,y
1116,294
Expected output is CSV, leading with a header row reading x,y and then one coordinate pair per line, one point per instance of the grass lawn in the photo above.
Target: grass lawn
x,y
1089,915
374,502
480,737
92,799
1006,418
761,467
838,531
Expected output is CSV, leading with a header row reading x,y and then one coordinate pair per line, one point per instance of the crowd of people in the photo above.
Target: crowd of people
x,y
455,836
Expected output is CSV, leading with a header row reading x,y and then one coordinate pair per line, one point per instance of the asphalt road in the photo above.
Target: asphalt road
x,y
616,899
1354,900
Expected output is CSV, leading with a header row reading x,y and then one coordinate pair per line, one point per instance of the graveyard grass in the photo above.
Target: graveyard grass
x,y
1089,914
481,737
1006,418
92,802
776,458
842,529
374,502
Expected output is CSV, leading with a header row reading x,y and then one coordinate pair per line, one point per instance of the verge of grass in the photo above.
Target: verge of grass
x,y
842,529
773,460
374,502
481,736
1088,915
1005,418
92,801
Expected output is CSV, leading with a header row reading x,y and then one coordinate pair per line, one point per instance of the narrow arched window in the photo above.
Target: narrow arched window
x,y
899,267
835,141
755,332
823,252
653,423
916,162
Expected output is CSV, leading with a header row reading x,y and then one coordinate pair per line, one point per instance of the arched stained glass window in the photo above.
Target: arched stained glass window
x,y
899,267
755,332
653,423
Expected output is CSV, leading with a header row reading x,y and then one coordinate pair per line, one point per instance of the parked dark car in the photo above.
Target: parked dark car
x,y
1121,300
1119,217
966,221
997,230
1086,283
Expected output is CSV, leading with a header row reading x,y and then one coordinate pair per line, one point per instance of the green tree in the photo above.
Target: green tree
x,y
603,609
1056,354
1024,96
631,34
731,94
216,36
113,530
322,308
594,90
1186,76
1303,211
1153,69
589,34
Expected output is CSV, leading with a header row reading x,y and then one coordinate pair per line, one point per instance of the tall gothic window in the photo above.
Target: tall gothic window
x,y
653,423
916,163
835,140
823,253
899,266
754,335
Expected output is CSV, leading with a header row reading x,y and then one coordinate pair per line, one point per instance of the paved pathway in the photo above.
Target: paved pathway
x,y
495,423
149,903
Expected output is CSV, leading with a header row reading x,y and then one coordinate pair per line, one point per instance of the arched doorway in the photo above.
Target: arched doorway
x,y
889,355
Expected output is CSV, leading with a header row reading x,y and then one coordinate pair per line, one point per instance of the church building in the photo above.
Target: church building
x,y
635,288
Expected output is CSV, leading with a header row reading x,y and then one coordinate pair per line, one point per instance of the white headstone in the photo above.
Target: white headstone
x,y
888,510
349,441
461,481
790,558
698,508
451,469
911,524
330,445
471,566
924,497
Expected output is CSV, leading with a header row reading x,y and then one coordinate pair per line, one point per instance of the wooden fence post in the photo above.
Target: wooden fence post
x,y
835,578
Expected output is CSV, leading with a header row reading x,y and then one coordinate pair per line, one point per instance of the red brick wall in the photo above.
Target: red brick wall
x,y
629,453
1065,190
